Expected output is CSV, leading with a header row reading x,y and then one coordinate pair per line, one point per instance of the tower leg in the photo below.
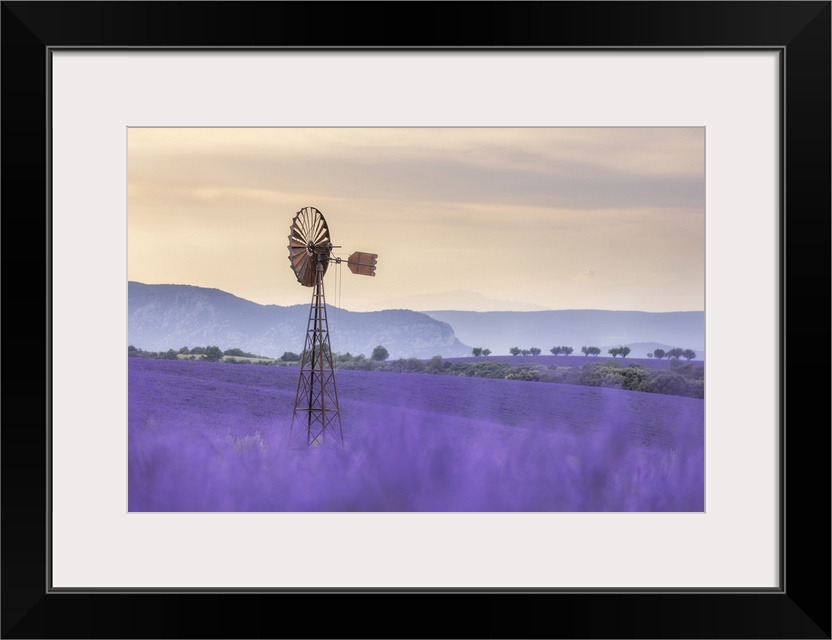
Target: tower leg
x,y
316,419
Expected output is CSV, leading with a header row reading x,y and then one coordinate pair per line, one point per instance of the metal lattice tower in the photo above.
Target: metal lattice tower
x,y
316,419
317,415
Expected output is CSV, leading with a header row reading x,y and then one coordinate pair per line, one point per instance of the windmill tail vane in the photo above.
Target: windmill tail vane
x,y
316,418
362,263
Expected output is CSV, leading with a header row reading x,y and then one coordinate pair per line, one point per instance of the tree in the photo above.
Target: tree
x,y
650,355
288,356
477,351
585,351
675,353
689,354
486,352
515,351
380,354
623,351
556,350
566,350
594,351
184,351
615,351
213,354
659,354
534,351
525,352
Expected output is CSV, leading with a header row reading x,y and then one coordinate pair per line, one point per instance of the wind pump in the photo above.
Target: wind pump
x,y
317,416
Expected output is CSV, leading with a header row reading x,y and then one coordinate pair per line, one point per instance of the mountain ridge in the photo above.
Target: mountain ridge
x,y
170,316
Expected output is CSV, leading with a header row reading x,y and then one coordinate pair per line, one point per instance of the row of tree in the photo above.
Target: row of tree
x,y
516,351
675,354
534,351
380,353
683,379
208,354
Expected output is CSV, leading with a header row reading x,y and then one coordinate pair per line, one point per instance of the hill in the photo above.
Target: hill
x,y
162,317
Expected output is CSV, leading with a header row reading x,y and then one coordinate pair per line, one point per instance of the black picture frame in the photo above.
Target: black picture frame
x,y
798,608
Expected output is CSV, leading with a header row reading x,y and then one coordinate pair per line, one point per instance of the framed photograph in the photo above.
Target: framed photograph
x,y
753,78
490,236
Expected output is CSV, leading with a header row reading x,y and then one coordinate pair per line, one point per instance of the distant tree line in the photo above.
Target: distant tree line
x,y
674,354
380,354
683,379
238,356
516,351
205,354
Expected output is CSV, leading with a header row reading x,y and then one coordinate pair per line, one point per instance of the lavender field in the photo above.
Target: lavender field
x,y
214,437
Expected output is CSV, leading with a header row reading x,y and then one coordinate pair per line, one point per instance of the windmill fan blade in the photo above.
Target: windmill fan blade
x,y
309,245
362,263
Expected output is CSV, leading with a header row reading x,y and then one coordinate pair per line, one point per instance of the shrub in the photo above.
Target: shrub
x,y
670,383
636,378
688,369
487,370
528,374
407,365
602,375
436,365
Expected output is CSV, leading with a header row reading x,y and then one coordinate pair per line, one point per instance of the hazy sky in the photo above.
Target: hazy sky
x,y
479,219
